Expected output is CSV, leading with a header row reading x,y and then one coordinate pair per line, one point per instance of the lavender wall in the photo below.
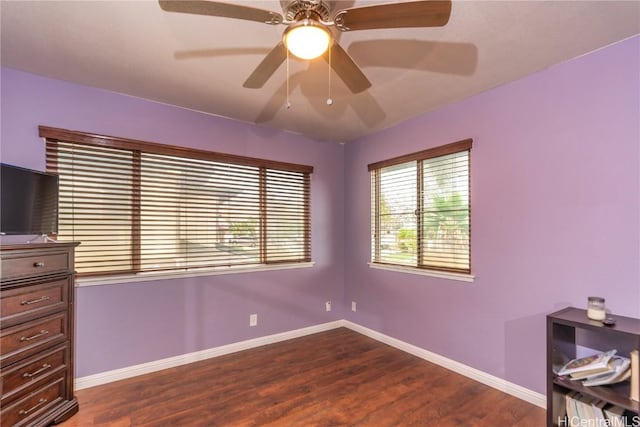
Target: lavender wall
x,y
555,215
126,324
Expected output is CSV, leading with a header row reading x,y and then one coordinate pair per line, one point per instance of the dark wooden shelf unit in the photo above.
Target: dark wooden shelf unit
x,y
36,334
561,341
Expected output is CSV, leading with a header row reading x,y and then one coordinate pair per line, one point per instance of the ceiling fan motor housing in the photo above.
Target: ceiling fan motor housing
x,y
301,9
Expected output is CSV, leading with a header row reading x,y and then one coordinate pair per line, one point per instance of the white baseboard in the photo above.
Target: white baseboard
x,y
183,359
520,392
515,390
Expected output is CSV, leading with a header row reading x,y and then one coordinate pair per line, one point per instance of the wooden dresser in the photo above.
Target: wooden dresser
x,y
36,340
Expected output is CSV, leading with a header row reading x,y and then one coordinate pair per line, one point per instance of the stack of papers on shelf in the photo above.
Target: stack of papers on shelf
x,y
596,363
598,369
618,371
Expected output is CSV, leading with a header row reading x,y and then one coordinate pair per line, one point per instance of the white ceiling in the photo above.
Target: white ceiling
x,y
200,62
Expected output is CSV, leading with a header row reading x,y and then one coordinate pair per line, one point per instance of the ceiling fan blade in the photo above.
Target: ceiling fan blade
x,y
348,70
226,10
429,13
267,67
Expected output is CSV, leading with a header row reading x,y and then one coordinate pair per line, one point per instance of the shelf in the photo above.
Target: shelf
x,y
577,318
563,340
616,394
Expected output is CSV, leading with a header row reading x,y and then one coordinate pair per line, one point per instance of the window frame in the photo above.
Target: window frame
x,y
375,226
136,147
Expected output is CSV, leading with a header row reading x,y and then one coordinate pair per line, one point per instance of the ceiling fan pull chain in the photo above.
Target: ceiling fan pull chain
x,y
330,100
288,103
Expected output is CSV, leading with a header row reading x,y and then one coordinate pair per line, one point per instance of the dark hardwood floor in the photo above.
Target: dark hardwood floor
x,y
334,378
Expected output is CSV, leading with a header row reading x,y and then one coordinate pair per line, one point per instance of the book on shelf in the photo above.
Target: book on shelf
x,y
616,363
598,412
611,378
588,363
570,402
634,393
617,371
616,416
584,410
559,404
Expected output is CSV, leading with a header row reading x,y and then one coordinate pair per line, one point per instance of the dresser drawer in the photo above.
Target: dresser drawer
x,y
35,404
23,377
28,302
45,263
30,337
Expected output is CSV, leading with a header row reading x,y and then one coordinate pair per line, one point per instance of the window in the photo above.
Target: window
x,y
141,207
421,209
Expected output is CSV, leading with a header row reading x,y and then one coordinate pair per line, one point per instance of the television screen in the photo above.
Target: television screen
x,y
28,201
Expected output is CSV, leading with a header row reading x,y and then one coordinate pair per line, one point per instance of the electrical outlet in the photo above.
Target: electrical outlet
x,y
327,305
353,306
253,319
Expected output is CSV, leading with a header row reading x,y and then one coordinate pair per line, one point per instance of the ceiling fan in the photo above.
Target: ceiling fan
x,y
308,34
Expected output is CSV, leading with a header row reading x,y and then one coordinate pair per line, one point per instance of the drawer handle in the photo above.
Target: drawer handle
x,y
41,402
32,337
39,371
38,264
33,301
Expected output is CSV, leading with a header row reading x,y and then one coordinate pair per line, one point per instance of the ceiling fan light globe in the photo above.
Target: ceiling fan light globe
x,y
307,39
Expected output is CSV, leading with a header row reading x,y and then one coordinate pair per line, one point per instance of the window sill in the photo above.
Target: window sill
x,y
422,272
146,277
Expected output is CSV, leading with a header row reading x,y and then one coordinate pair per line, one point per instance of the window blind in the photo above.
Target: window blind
x,y
394,214
421,209
140,207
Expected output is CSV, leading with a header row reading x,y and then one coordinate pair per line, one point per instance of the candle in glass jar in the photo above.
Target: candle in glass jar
x,y
596,309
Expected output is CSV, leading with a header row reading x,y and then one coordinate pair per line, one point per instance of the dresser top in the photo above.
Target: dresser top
x,y
48,245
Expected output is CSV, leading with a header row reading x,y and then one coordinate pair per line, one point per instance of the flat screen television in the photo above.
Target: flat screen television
x,y
28,201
